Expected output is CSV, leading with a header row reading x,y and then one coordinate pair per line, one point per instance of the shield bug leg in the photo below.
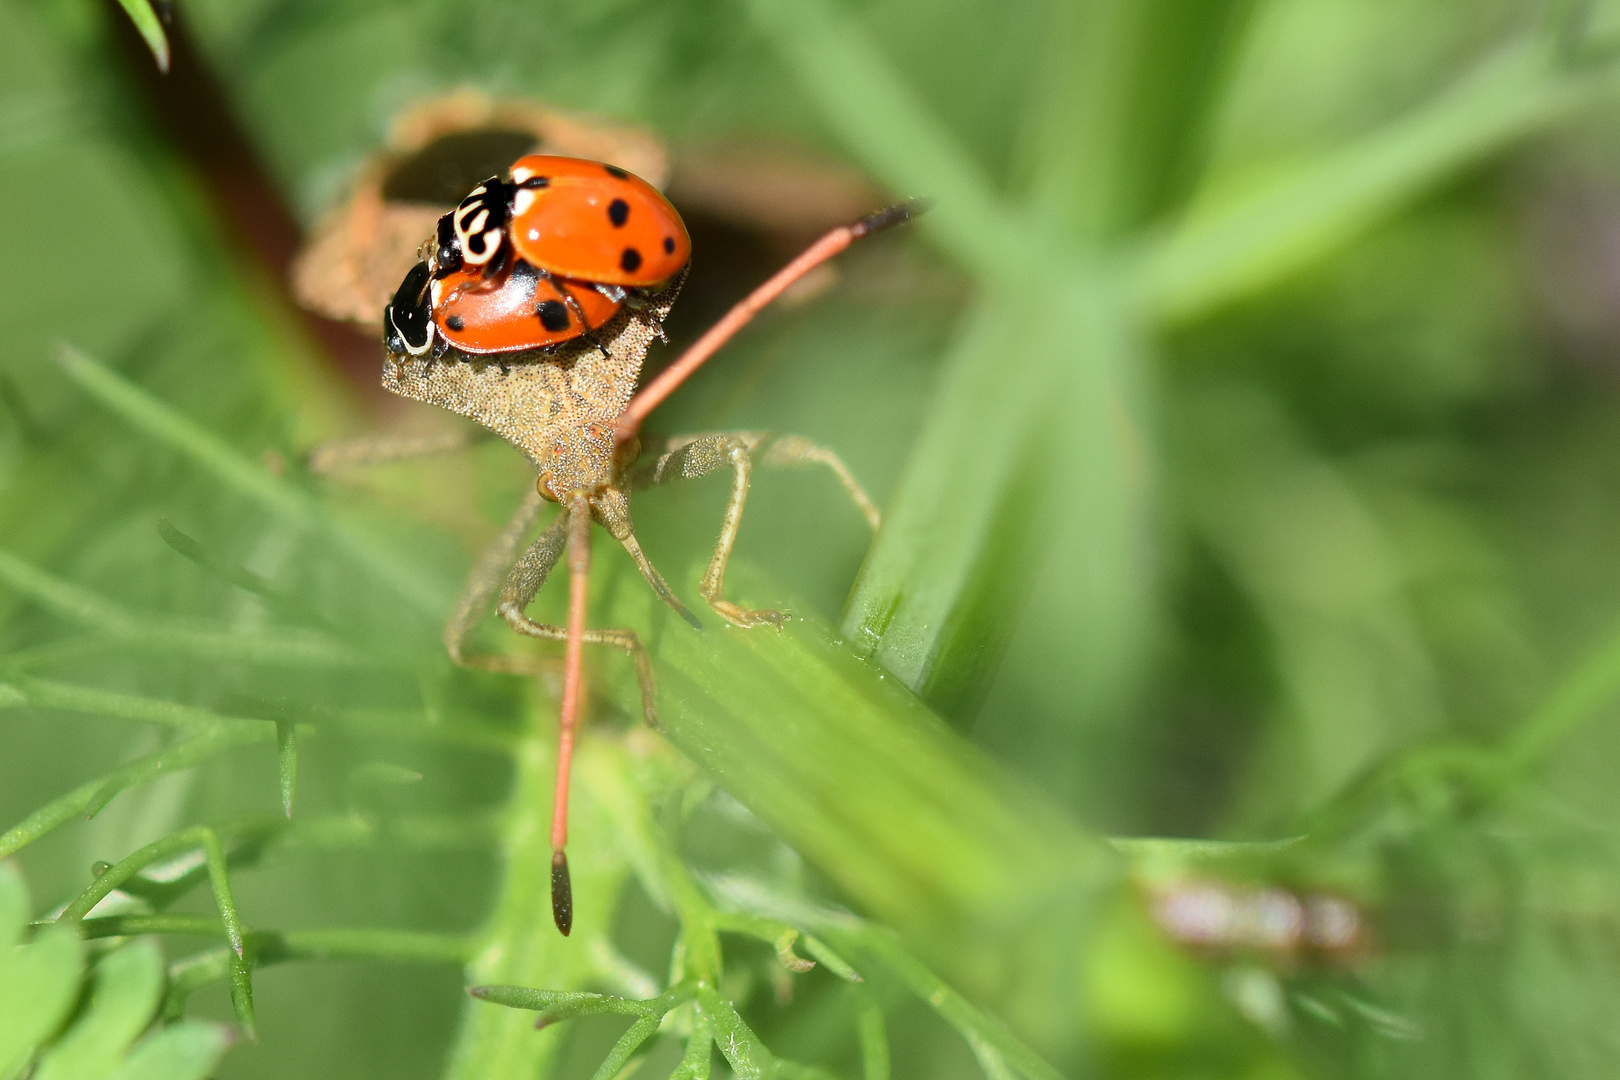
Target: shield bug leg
x,y
337,455
488,573
656,580
689,457
794,450
527,575
699,457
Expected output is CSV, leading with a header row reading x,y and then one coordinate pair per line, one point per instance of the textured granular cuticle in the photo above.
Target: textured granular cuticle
x,y
540,393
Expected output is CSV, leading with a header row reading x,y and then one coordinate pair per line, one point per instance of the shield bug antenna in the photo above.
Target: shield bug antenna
x,y
546,350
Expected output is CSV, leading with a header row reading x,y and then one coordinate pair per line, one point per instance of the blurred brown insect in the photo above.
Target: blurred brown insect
x,y
1216,916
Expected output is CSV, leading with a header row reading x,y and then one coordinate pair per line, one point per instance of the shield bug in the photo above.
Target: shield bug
x,y
572,407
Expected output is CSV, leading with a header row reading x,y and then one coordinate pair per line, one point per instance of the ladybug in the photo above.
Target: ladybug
x,y
522,309
542,258
570,217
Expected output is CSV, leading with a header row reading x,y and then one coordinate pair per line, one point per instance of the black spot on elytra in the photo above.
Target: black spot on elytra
x,y
614,170
553,315
630,260
618,213
536,182
456,323
669,245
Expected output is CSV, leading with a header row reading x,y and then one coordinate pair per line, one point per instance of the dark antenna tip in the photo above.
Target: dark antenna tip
x,y
562,893
888,218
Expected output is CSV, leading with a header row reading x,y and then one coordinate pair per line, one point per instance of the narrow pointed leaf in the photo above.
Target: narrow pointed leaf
x,y
557,1005
287,764
638,1033
151,30
747,1056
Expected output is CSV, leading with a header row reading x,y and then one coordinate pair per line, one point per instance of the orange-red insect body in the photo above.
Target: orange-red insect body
x,y
594,222
538,259
522,310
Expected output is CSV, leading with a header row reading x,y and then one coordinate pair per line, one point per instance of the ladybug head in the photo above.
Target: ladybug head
x,y
407,320
444,255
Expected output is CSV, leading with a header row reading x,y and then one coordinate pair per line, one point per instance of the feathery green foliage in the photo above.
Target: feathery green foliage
x,y
1243,418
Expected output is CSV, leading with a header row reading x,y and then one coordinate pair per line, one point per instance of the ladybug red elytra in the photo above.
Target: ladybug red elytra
x,y
594,222
540,258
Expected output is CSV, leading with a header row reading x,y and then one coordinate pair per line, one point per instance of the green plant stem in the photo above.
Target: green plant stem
x,y
778,935
274,946
520,946
699,1051
266,948
157,851
638,1033
1241,238
288,502
994,1046
95,794
241,977
160,633
23,691
1574,701
46,694
874,1039
747,1056
998,1049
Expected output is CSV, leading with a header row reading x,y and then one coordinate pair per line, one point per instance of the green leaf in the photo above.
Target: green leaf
x,y
1116,135
218,877
896,134
165,424
13,905
859,776
1576,698
38,984
1294,533
129,982
187,1051
151,29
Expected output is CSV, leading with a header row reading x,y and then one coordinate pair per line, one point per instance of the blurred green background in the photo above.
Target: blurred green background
x,y
1246,418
